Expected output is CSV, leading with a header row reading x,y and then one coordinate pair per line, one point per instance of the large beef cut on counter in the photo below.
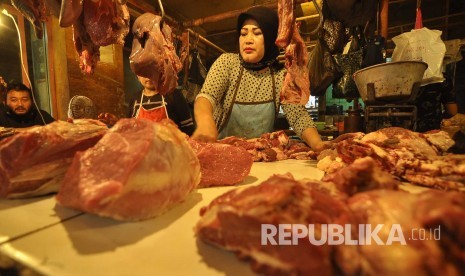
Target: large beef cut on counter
x,y
138,170
221,164
358,195
33,162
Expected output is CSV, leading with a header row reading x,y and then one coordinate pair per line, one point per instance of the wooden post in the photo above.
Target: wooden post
x,y
384,12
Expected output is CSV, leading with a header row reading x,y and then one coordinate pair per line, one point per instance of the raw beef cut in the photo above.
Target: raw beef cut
x,y
272,146
430,211
296,86
153,54
70,12
34,11
89,52
33,162
138,170
106,21
286,22
234,221
221,164
415,157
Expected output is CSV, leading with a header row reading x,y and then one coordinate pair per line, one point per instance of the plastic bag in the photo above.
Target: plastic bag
x,y
424,45
323,70
349,63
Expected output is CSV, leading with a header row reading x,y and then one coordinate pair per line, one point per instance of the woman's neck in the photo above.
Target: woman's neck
x,y
148,92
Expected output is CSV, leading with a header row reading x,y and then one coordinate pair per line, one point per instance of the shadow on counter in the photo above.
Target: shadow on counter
x,y
225,262
91,234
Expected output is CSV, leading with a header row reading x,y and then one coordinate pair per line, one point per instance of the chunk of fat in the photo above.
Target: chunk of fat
x,y
169,171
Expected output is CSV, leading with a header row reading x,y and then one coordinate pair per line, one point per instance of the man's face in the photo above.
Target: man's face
x,y
19,102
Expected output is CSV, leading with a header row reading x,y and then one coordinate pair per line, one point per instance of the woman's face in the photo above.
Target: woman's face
x,y
251,42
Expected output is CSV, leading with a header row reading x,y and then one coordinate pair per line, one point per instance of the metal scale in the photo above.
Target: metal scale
x,y
398,111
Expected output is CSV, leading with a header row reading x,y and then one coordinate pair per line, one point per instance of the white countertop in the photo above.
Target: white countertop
x,y
54,240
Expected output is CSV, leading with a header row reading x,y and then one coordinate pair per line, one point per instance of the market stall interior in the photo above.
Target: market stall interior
x,y
79,196
53,63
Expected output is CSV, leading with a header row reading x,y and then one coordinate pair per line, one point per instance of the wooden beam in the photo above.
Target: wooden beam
x,y
229,14
384,16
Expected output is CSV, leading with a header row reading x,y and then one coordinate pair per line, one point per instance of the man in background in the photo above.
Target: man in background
x,y
19,110
2,89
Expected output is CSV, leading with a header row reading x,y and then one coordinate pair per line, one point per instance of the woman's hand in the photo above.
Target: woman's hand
x,y
206,129
205,134
107,118
456,120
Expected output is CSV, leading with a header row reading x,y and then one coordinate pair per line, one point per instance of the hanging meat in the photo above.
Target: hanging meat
x,y
33,162
106,21
70,12
138,170
100,23
153,55
89,52
286,22
296,86
34,11
95,23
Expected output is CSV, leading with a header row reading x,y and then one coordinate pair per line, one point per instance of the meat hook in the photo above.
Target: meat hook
x,y
162,13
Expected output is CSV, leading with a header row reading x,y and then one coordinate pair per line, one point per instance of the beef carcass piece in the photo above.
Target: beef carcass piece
x,y
33,162
363,175
439,255
415,157
69,12
89,52
271,147
34,11
106,21
286,22
296,86
233,222
138,170
221,164
153,55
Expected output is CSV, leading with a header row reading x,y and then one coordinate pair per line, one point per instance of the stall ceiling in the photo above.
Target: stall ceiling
x,y
445,15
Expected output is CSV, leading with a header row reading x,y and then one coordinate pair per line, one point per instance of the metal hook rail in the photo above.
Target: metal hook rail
x,y
162,10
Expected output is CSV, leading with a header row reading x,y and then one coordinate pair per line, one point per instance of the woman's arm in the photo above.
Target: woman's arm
x,y
311,136
206,129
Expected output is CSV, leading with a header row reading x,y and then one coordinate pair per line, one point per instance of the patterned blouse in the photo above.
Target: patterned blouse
x,y
254,87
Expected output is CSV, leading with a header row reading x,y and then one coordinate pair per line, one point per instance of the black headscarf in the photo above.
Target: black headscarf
x,y
268,22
